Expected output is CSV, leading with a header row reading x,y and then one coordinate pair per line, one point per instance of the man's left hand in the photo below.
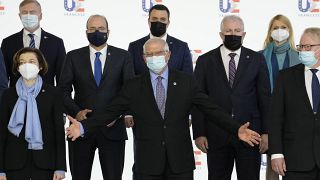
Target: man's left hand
x,y
263,146
73,131
247,135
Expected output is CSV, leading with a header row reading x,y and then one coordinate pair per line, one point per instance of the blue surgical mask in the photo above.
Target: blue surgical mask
x,y
156,63
30,21
307,58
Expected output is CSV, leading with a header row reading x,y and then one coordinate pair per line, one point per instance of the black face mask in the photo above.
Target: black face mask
x,y
97,38
158,28
232,42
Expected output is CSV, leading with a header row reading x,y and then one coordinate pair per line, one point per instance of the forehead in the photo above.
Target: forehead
x,y
278,23
97,21
28,56
154,46
308,38
29,7
159,13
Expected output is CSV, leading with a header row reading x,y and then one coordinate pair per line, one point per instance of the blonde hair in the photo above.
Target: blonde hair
x,y
285,21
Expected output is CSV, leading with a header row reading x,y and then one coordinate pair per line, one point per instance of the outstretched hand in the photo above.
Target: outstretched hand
x,y
73,131
247,135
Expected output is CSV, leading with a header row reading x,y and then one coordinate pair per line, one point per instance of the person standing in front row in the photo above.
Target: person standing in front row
x,y
236,79
294,131
3,75
33,36
96,73
280,53
32,139
161,100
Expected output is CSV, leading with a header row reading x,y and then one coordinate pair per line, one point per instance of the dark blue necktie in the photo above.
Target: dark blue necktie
x,y
232,68
97,68
32,43
315,90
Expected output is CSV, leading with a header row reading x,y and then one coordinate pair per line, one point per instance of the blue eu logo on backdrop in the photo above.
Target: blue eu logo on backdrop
x,y
147,4
73,5
229,6
309,8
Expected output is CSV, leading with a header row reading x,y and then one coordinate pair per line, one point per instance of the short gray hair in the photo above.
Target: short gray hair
x,y
314,32
97,15
231,18
156,40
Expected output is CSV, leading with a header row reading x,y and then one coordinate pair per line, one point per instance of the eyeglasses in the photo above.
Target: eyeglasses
x,y
158,53
307,47
93,29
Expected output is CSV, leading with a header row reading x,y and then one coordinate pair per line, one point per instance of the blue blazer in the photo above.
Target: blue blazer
x,y
3,76
51,46
247,100
180,55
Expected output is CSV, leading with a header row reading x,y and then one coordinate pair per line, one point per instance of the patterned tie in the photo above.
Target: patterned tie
x,y
160,96
232,68
97,68
315,90
32,43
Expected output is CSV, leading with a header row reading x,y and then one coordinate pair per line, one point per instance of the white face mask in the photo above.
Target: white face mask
x,y
279,34
29,71
30,21
156,63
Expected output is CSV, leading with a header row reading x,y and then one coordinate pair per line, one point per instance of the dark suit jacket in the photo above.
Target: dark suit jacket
x,y
77,72
248,99
3,76
158,139
294,129
51,46
180,58
14,150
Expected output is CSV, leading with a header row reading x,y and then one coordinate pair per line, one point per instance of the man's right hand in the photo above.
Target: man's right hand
x,y
3,178
128,121
83,114
73,131
202,143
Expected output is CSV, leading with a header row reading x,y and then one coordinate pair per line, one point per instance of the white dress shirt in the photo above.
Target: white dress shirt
x,y
26,38
226,58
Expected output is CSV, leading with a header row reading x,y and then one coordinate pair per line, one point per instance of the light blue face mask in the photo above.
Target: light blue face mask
x,y
30,21
307,58
156,63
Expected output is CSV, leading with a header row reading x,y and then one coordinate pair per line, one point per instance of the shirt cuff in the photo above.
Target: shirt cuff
x,y
81,130
128,116
61,172
2,174
276,156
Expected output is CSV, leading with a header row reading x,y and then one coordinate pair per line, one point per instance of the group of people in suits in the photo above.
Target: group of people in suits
x,y
152,88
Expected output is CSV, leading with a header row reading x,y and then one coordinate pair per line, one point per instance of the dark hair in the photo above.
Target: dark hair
x,y
160,7
25,2
42,62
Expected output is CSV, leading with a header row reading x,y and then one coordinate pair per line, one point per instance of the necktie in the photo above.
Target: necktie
x,y
97,68
160,96
32,43
315,90
232,68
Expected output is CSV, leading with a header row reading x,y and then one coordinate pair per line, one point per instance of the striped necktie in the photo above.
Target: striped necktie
x,y
232,68
32,43
160,96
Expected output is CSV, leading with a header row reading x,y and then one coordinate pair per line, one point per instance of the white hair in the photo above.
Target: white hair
x,y
156,40
231,18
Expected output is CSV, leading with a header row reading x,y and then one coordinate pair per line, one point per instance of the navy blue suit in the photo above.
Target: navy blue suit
x,y
3,76
51,46
180,58
247,100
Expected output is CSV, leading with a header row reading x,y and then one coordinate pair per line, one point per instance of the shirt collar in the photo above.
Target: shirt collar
x,y
164,37
306,68
103,51
164,74
37,32
225,52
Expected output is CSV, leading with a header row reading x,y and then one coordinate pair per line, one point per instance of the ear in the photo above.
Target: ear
x,y
40,17
168,24
221,36
244,34
149,23
168,54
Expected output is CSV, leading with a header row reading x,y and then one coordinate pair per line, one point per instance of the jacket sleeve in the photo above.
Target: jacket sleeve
x,y
60,59
4,119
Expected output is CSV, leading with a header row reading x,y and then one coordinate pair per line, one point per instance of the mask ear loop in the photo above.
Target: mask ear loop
x,y
317,54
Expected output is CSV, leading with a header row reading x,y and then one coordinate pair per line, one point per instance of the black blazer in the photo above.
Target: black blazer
x,y
158,139
51,46
77,72
248,99
180,57
14,150
294,129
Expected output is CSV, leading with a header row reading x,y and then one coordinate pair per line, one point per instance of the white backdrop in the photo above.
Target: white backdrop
x,y
194,21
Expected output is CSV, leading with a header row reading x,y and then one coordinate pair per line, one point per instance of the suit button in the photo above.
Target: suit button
x,y
163,143
164,127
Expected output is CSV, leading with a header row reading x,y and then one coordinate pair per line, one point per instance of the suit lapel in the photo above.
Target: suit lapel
x,y
148,93
242,66
171,90
86,64
20,40
43,44
220,67
110,58
300,81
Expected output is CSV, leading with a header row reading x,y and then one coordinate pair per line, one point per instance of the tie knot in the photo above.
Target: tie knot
x,y
232,55
31,35
98,54
314,71
159,78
